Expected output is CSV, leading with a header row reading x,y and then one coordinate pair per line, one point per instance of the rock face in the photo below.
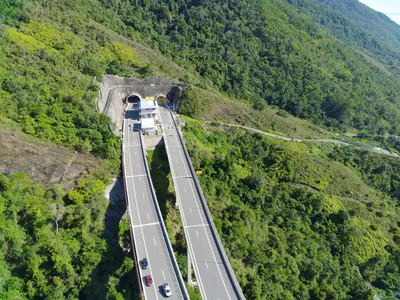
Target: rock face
x,y
114,90
45,163
115,192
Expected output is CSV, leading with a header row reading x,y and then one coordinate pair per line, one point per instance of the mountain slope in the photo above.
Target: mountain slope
x,y
270,50
355,23
326,220
301,221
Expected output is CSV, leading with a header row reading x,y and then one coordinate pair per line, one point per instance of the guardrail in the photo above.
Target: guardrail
x,y
163,229
135,255
214,231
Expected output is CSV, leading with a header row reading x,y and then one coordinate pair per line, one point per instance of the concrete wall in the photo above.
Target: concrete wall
x,y
113,90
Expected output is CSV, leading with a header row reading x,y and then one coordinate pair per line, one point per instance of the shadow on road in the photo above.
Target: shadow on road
x,y
111,271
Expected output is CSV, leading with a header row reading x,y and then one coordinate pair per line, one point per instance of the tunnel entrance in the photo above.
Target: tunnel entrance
x,y
161,100
133,99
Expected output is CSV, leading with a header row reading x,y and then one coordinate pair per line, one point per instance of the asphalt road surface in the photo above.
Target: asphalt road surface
x,y
148,238
212,275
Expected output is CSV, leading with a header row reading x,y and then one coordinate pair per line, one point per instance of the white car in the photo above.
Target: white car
x,y
167,289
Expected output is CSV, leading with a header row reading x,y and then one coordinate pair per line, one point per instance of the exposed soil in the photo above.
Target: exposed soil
x,y
45,163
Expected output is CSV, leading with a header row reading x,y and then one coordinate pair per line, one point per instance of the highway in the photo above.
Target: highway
x,y
146,222
213,272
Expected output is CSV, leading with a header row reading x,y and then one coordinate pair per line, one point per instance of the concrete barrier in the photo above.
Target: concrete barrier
x,y
163,228
136,261
220,247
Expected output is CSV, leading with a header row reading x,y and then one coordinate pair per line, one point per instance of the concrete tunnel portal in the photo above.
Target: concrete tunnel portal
x,y
162,99
133,98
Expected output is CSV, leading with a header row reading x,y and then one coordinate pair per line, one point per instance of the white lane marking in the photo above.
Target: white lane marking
x,y
145,224
206,264
177,161
135,152
189,243
137,165
162,271
148,217
143,195
208,239
140,178
199,225
154,240
197,233
184,190
209,243
190,209
144,242
133,176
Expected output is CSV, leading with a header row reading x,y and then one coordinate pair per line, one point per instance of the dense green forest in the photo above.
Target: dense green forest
x,y
355,23
52,241
57,243
270,50
301,221
298,221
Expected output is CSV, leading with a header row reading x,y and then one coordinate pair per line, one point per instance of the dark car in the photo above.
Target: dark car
x,y
149,280
145,263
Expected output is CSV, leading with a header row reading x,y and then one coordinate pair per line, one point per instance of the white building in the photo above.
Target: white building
x,y
148,109
149,126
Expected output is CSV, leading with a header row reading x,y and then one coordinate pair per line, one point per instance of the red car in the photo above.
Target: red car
x,y
149,280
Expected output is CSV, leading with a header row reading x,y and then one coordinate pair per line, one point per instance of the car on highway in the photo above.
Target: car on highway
x,y
167,289
145,264
149,280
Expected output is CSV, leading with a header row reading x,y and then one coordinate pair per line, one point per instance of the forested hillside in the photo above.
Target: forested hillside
x,y
270,50
57,242
355,23
301,221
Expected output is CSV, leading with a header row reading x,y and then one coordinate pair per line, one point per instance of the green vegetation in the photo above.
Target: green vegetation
x,y
54,244
49,241
270,51
355,23
57,242
301,221
298,221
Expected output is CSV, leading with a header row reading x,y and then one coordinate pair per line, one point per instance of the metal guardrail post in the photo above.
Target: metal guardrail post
x,y
225,260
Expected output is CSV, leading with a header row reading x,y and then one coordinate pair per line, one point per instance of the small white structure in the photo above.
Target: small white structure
x,y
149,126
148,109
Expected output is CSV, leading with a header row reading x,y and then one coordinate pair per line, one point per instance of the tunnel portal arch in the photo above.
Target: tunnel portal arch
x,y
133,98
162,99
